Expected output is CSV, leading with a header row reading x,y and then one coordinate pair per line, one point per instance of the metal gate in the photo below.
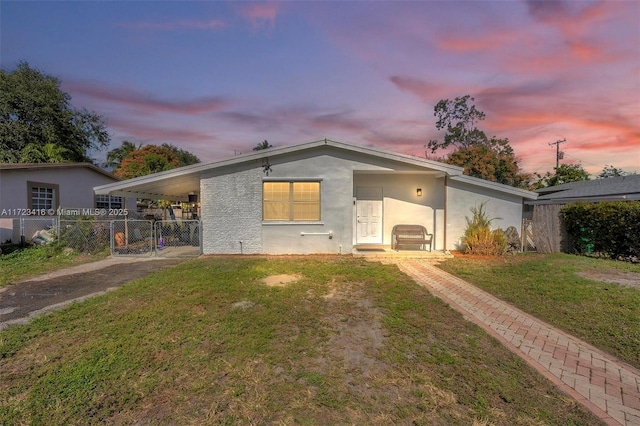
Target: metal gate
x,y
131,237
178,238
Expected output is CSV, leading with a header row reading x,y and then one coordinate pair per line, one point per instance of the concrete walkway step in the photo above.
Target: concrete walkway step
x,y
605,385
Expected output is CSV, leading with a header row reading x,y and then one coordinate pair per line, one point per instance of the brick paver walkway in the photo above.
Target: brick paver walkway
x,y
605,385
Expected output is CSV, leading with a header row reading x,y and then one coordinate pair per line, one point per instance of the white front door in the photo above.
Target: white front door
x,y
368,215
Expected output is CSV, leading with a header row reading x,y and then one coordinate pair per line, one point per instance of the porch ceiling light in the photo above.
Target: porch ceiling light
x,y
419,192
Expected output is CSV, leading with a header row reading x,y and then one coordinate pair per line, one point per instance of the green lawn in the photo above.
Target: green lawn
x,y
567,292
19,264
208,342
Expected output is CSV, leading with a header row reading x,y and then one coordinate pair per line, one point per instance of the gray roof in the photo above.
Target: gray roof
x,y
175,184
56,166
608,189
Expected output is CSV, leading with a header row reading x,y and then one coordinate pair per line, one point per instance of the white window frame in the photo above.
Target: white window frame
x,y
292,202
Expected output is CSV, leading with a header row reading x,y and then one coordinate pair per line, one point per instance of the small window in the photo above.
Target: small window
x,y
108,202
42,196
291,201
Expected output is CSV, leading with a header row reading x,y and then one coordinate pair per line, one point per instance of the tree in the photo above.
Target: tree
x,y
185,158
491,159
116,155
459,119
565,173
610,171
34,113
263,145
150,159
494,161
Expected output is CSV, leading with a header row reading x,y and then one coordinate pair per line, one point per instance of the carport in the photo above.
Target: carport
x,y
161,238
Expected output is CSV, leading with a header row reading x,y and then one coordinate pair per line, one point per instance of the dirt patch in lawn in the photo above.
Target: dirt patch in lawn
x,y
630,279
280,280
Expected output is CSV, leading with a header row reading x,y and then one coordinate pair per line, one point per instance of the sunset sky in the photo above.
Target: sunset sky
x,y
217,78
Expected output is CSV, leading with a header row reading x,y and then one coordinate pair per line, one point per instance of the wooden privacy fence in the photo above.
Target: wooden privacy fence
x,y
549,234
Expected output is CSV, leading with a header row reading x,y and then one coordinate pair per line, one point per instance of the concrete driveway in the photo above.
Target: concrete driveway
x,y
22,301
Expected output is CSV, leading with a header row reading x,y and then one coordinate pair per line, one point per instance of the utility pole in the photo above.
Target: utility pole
x,y
559,154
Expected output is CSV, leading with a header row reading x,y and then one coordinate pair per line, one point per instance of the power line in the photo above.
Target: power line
x,y
559,154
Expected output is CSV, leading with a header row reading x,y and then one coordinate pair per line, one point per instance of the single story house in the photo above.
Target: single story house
x,y
549,235
41,190
325,197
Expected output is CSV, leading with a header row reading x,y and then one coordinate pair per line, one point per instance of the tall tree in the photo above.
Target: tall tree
x,y
610,171
35,112
459,118
116,155
494,161
262,145
185,158
565,173
487,158
150,159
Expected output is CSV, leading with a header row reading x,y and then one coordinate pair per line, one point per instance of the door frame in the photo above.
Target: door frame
x,y
375,193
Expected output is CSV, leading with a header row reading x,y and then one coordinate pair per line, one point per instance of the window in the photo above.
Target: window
x,y
291,201
42,196
108,202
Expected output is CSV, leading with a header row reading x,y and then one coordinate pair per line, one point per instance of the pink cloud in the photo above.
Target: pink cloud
x,y
146,103
426,91
260,15
212,24
145,131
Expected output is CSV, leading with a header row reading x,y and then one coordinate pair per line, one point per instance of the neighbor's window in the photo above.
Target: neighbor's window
x,y
293,201
42,196
108,202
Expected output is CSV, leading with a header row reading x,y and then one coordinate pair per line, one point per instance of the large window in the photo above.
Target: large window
x,y
108,202
291,201
42,196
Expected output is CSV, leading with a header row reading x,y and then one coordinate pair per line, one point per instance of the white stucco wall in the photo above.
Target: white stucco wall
x,y
401,204
231,203
75,186
506,209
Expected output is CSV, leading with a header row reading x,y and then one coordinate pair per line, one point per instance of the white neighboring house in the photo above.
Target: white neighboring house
x,y
326,197
28,190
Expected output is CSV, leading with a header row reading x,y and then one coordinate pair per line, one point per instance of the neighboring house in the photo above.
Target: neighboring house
x,y
326,197
29,190
549,236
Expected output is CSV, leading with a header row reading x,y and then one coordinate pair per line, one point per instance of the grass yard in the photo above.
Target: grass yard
x,y
596,300
212,342
23,263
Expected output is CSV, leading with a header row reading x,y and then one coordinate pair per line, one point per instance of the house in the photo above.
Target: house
x,y
41,190
325,197
548,232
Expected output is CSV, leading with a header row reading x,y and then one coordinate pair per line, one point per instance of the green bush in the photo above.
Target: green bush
x,y
608,228
478,237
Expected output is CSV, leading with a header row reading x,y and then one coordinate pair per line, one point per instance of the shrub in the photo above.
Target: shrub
x,y
609,228
478,237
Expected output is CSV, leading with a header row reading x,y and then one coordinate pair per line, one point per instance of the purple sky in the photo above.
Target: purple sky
x,y
216,78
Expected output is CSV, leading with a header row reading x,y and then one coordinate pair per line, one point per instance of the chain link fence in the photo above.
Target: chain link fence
x,y
177,238
84,236
36,230
132,237
119,237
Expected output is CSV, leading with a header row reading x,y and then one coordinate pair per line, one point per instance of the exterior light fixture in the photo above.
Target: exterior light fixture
x,y
419,192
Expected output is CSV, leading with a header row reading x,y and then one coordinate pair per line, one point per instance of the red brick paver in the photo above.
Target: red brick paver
x,y
602,383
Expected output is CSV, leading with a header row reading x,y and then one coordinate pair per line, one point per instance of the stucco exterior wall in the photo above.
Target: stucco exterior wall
x,y
402,205
506,209
75,186
231,203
